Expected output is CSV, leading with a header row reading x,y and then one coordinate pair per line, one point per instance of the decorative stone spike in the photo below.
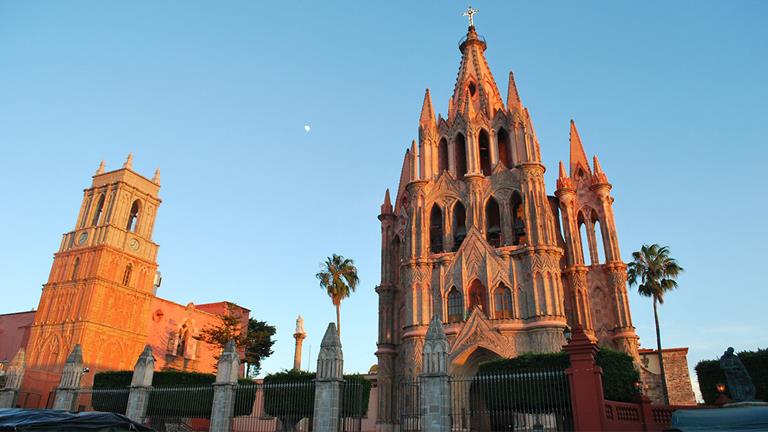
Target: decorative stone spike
x,y
386,208
513,97
15,373
128,162
156,177
427,118
100,170
435,349
330,361
66,393
578,157
144,368
330,367
229,364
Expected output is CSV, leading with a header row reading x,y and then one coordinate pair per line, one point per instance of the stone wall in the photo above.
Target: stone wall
x,y
676,370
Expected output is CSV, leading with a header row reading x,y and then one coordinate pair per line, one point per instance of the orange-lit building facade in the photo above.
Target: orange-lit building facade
x,y
101,294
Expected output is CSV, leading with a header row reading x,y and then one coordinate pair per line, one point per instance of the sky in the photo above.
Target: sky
x,y
670,95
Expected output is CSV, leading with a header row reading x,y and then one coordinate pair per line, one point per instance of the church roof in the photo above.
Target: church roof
x,y
475,81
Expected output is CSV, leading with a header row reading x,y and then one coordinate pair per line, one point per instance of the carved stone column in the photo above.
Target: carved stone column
x,y
69,385
141,386
330,367
624,337
224,389
13,379
435,387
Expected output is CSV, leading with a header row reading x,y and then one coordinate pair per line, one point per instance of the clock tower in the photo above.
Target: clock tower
x,y
101,284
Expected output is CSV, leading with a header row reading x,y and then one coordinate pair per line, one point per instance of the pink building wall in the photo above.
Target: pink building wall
x,y
14,333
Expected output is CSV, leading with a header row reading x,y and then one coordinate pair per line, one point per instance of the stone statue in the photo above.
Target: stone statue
x,y
739,382
300,325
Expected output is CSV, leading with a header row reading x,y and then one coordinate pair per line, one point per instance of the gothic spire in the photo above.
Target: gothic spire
x,y
475,80
578,157
156,178
128,161
386,208
100,170
596,164
427,118
562,171
513,97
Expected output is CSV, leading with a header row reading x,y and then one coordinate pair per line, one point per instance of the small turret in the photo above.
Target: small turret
x,y
128,162
386,208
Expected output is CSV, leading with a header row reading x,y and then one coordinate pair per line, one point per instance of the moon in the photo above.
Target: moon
x,y
307,128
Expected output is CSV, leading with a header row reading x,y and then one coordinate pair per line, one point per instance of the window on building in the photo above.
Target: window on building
x,y
518,220
442,156
599,242
99,210
502,141
436,229
460,153
459,225
455,306
502,298
181,348
127,274
585,250
75,268
133,217
477,296
493,223
484,144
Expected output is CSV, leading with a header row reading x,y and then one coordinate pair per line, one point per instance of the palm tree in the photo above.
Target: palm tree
x,y
654,272
338,277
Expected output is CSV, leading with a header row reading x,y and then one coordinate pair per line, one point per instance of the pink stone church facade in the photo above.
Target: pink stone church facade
x,y
474,237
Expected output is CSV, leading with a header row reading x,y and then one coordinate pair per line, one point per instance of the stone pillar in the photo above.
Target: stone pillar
x,y
435,387
299,335
224,389
330,367
66,392
586,383
13,379
141,385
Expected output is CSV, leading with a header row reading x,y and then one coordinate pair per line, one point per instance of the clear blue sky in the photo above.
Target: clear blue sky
x,y
670,95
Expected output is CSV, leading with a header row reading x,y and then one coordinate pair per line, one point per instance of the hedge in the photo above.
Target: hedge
x,y
709,375
619,376
177,403
292,394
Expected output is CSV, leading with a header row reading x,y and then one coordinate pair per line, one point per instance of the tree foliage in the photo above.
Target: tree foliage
x,y
258,345
338,277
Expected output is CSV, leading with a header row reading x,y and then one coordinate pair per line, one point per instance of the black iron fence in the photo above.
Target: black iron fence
x,y
501,401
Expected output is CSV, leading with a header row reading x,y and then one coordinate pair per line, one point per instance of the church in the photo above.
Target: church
x,y
474,237
101,294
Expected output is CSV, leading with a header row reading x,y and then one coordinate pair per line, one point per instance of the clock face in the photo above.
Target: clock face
x,y
133,244
83,237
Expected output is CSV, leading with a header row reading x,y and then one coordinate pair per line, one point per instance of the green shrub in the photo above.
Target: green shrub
x,y
172,403
709,375
619,377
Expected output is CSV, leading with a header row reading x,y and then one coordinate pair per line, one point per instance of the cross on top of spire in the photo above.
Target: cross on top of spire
x,y
470,13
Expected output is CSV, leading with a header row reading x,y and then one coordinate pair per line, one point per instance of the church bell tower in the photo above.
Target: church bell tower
x,y
101,283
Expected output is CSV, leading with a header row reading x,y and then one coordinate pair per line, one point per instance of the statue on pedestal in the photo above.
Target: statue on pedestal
x,y
739,382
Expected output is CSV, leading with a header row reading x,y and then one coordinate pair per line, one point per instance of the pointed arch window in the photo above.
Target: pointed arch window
x,y
436,229
99,210
502,299
127,274
478,296
442,156
455,306
493,223
181,348
75,268
460,153
518,219
484,143
583,237
459,225
599,241
133,217
502,141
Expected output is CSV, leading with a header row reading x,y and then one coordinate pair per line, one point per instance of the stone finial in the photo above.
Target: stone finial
x,y
386,208
513,97
414,161
100,170
128,162
435,354
144,369
330,361
427,117
15,373
578,157
156,177
229,364
73,369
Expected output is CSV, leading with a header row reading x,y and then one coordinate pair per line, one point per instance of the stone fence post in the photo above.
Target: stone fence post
x,y
141,385
66,392
224,389
13,378
330,367
586,382
435,384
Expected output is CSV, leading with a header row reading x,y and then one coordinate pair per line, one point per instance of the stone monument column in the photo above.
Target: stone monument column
x,y
299,335
435,387
224,389
330,367
13,378
66,392
141,385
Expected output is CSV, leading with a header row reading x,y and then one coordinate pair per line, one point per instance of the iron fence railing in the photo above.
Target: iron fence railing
x,y
179,408
102,399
